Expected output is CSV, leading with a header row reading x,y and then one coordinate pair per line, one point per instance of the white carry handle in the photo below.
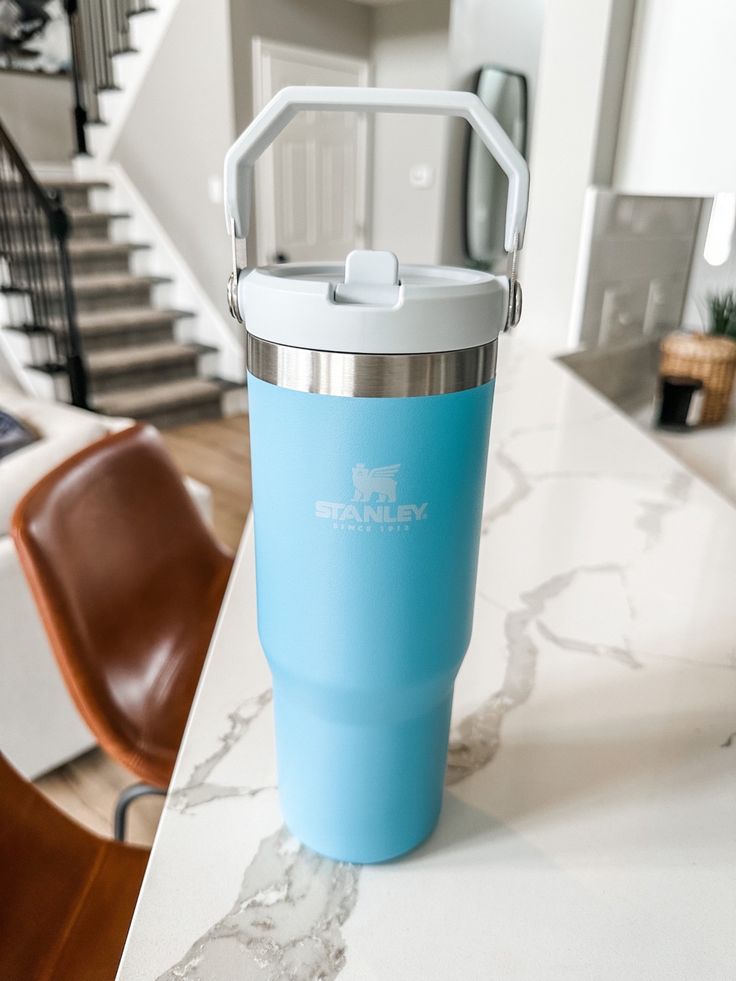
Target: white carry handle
x,y
242,155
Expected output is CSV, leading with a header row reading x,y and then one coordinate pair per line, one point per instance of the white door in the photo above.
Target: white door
x,y
311,185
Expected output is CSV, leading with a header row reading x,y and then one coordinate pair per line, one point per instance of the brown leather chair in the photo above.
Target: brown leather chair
x,y
129,580
66,896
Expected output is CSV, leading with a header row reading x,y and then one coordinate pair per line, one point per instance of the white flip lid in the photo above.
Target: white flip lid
x,y
371,305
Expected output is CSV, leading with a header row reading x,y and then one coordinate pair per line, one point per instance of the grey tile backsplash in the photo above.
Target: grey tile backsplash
x,y
636,255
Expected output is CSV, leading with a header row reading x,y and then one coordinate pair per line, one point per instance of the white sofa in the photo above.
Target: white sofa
x,y
39,726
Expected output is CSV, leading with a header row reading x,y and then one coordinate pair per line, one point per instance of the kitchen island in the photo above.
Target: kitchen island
x,y
589,824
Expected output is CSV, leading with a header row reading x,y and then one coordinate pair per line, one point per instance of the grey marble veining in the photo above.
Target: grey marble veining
x,y
477,738
198,789
654,511
654,508
284,924
521,488
617,652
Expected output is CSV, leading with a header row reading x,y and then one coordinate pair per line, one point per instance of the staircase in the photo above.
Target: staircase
x,y
135,364
129,341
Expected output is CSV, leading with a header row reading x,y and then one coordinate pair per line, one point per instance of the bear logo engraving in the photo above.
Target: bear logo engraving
x,y
380,481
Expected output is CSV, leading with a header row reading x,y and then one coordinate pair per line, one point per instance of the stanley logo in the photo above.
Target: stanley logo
x,y
374,503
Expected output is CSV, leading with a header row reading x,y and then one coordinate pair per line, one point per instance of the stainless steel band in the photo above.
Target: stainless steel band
x,y
370,375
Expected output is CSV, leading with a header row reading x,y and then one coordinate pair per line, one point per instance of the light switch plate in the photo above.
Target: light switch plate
x,y
214,188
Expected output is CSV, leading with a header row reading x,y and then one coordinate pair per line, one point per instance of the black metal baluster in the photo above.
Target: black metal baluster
x,y
20,247
116,19
41,277
99,35
60,228
107,39
34,232
60,334
42,307
117,37
108,45
77,45
86,65
4,228
90,27
99,43
4,211
123,39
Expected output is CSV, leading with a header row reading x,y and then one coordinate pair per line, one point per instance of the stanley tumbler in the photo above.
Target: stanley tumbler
x,y
370,390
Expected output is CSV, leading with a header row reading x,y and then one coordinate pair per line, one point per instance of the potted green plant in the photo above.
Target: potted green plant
x,y
722,313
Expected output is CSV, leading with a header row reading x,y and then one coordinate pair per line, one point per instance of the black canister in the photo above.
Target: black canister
x,y
675,400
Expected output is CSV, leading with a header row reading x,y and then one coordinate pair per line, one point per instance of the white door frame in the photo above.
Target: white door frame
x,y
262,50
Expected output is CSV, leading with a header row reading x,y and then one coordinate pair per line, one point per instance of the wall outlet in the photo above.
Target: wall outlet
x,y
421,175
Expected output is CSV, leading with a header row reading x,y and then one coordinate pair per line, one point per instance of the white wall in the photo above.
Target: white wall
x,y
506,33
613,83
37,112
706,279
677,133
575,105
326,25
176,136
410,50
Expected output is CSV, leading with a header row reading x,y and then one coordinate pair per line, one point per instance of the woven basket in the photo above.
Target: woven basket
x,y
708,357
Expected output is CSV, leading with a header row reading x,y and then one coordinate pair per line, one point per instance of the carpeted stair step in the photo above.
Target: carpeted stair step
x,y
109,291
74,193
172,403
92,256
89,256
84,223
127,327
93,224
136,367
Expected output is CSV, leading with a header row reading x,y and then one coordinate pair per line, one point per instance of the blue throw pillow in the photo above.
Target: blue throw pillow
x,y
14,434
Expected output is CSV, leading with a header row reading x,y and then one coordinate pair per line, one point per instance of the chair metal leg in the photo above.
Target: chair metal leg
x,y
125,799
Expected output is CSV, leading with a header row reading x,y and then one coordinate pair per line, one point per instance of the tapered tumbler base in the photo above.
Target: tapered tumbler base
x,y
355,791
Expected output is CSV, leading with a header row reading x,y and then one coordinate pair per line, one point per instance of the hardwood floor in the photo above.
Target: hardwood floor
x,y
87,788
218,454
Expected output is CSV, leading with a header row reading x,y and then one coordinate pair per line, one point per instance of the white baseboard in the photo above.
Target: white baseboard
x,y
52,171
235,402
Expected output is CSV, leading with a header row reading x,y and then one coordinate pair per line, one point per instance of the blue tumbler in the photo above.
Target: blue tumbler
x,y
370,392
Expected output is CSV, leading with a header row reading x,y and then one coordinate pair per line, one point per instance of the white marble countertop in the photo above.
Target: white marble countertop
x,y
589,826
709,452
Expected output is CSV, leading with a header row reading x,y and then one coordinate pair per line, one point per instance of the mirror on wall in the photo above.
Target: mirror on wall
x,y
505,95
